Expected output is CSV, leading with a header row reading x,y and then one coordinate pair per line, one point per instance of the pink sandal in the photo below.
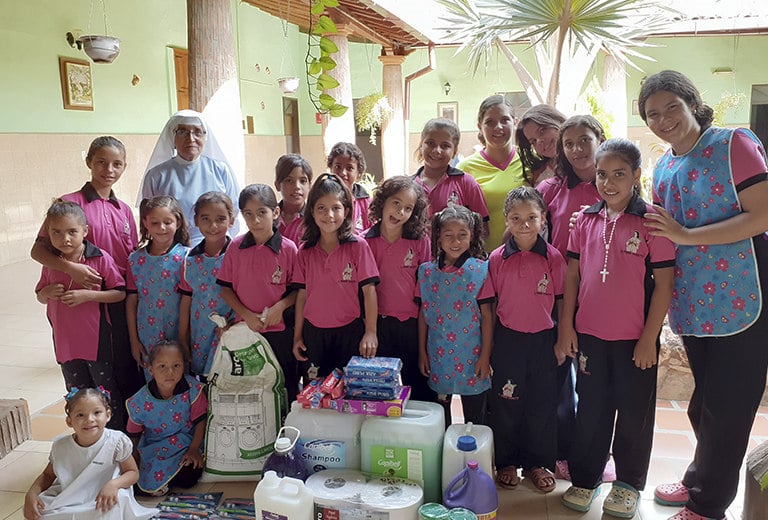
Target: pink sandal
x,y
687,514
675,495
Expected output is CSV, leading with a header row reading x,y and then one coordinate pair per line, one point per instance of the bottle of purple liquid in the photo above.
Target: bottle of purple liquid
x,y
284,460
473,489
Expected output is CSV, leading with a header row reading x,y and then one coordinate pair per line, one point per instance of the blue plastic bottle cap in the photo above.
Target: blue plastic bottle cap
x,y
467,443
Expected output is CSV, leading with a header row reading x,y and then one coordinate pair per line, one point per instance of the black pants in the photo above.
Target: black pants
x,y
523,398
400,339
566,407
79,373
282,345
128,377
330,348
612,390
729,373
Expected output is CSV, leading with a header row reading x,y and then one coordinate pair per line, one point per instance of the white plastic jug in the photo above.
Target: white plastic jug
x,y
455,459
328,439
286,498
408,447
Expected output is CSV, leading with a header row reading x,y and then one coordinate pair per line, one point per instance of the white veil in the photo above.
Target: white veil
x,y
165,148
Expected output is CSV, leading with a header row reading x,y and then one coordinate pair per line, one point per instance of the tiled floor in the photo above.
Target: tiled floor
x,y
28,370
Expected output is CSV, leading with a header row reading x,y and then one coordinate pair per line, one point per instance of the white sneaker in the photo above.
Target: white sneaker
x,y
621,501
579,499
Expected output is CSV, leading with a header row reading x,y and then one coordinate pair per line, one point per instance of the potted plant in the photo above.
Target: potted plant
x,y
371,112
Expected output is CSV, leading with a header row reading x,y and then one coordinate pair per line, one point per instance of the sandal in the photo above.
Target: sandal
x,y
675,495
579,499
622,501
687,514
507,477
542,478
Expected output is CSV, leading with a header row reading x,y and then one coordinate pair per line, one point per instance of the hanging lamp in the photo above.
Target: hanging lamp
x,y
101,48
287,84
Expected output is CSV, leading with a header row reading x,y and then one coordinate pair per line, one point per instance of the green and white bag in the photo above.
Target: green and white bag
x,y
247,400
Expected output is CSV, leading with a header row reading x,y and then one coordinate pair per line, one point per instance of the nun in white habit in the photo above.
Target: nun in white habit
x,y
187,161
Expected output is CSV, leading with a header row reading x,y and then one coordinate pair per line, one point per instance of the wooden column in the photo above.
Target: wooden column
x,y
393,138
342,128
213,79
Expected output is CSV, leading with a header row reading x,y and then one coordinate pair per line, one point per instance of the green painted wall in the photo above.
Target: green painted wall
x,y
696,57
32,37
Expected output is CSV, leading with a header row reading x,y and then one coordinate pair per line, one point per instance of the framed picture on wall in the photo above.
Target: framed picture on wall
x,y
449,110
76,85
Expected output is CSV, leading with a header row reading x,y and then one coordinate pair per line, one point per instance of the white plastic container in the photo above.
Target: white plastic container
x,y
455,459
328,439
285,498
408,447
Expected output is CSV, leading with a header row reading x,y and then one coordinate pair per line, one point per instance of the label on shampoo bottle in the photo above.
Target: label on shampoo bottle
x,y
320,454
397,462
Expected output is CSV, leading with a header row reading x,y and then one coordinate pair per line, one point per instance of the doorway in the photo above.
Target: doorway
x,y
758,118
291,125
181,70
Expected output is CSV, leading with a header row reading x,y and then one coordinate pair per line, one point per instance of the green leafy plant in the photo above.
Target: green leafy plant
x,y
319,61
592,96
371,112
728,101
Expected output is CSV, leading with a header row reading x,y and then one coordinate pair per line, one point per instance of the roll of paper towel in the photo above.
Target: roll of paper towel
x,y
347,494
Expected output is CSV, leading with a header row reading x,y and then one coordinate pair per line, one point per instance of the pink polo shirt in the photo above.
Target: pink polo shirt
x,y
260,275
526,284
76,329
111,224
563,198
333,281
362,200
615,309
292,230
398,263
455,187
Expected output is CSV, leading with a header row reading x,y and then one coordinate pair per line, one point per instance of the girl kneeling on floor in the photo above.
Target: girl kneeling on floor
x,y
167,420
622,278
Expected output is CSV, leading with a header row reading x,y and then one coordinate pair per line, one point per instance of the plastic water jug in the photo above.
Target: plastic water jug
x,y
284,461
328,439
456,453
284,498
475,490
408,447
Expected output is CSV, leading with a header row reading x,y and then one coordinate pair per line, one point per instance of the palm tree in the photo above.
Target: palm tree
x,y
565,35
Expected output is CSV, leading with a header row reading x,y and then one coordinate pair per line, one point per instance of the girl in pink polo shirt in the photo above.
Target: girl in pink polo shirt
x,y
255,278
572,188
111,228
81,329
334,269
621,276
443,183
154,272
293,175
527,275
400,243
456,316
347,162
200,295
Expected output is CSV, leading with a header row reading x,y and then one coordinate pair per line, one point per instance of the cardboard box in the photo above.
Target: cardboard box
x,y
756,484
15,425
390,408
